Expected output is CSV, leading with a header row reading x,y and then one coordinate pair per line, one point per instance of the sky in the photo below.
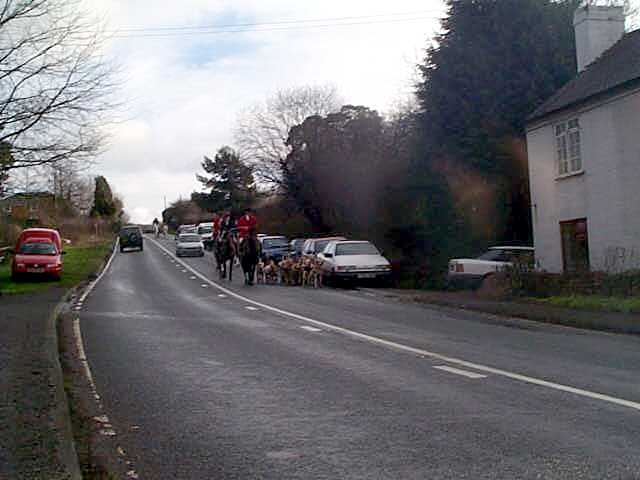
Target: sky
x,y
184,93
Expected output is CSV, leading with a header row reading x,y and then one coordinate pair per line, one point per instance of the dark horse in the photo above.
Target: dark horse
x,y
225,252
249,254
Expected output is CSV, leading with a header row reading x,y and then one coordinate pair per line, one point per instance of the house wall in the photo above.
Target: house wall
x,y
607,193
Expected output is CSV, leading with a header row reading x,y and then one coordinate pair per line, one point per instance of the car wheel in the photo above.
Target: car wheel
x,y
121,249
141,247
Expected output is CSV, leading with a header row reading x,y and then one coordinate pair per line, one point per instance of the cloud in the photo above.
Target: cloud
x,y
185,92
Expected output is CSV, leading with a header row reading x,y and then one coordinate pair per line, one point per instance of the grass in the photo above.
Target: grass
x,y
79,262
596,303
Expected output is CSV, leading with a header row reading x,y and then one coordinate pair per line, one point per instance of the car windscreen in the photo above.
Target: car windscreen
x,y
129,231
38,248
202,230
275,243
356,249
495,256
189,238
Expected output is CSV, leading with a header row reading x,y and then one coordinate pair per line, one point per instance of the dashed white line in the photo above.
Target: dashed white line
x,y
192,278
253,309
222,295
310,329
204,285
421,352
458,371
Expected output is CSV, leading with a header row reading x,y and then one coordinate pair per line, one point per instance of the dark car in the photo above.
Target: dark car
x,y
274,247
130,237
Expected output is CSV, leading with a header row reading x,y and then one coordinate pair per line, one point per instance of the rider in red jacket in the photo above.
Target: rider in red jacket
x,y
247,223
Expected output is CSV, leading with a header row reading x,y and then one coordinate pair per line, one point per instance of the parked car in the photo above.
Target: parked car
x,y
147,228
295,247
314,246
471,272
189,245
205,230
354,260
130,237
38,251
274,246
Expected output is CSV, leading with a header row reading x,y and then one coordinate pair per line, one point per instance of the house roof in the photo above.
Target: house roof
x,y
615,69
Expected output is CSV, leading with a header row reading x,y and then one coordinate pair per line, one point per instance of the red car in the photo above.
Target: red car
x,y
38,251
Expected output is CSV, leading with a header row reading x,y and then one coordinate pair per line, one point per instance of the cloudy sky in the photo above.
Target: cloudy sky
x,y
184,92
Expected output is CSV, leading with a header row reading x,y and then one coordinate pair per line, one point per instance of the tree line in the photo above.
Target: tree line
x,y
57,95
445,176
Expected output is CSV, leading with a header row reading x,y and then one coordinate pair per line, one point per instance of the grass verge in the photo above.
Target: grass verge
x,y
79,262
595,303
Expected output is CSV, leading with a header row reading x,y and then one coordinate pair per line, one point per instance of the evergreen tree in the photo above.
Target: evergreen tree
x,y
231,181
104,203
494,63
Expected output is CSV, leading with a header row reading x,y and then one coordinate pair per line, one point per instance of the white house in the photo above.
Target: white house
x,y
584,153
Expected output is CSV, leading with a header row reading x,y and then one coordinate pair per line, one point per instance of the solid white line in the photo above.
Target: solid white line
x,y
418,351
104,270
457,371
310,329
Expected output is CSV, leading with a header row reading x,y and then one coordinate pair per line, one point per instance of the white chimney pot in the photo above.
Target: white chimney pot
x,y
597,29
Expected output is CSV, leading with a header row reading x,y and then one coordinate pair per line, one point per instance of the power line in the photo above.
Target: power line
x,y
266,24
221,31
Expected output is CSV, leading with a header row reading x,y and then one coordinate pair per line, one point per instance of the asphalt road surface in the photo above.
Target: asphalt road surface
x,y
276,382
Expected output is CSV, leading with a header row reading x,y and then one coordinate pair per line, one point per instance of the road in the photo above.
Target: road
x,y
278,382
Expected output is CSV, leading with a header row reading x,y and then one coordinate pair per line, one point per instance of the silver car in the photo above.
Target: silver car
x,y
354,260
189,245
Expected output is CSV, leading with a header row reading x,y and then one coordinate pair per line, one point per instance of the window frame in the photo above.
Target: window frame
x,y
568,147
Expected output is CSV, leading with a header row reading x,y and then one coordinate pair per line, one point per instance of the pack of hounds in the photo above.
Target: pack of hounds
x,y
304,271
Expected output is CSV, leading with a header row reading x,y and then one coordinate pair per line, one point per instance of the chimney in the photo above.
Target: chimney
x,y
597,29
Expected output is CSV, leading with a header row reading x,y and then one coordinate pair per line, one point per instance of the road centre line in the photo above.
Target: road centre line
x,y
418,351
310,329
457,371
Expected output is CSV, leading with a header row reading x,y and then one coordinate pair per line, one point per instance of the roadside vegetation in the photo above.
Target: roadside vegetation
x,y
595,303
80,262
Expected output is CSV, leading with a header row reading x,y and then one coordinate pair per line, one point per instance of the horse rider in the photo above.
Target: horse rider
x,y
227,224
156,227
217,219
247,224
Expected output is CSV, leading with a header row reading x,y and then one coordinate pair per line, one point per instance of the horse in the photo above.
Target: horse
x,y
225,252
249,255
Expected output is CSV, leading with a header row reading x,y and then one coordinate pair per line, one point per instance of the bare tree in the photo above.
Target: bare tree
x,y
56,88
262,132
69,185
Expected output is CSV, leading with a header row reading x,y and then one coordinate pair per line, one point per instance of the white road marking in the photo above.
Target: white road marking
x,y
420,352
192,278
253,309
310,329
204,285
222,295
457,371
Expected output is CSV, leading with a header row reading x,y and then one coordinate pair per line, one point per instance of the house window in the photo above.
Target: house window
x,y
568,147
575,246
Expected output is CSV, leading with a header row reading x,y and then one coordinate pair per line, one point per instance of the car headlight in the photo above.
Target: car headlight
x,y
382,267
20,265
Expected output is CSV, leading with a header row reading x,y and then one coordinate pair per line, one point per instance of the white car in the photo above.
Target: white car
x,y
350,259
189,245
471,272
205,230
